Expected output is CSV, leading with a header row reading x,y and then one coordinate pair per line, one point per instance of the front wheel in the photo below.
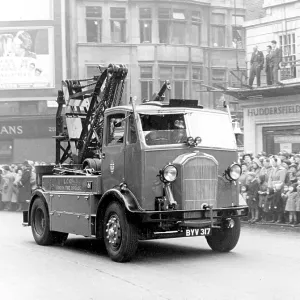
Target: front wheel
x,y
120,235
225,239
40,225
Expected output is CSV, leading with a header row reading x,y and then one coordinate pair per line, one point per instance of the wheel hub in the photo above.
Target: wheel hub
x,y
113,231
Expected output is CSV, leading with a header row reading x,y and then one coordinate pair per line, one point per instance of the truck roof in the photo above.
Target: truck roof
x,y
158,107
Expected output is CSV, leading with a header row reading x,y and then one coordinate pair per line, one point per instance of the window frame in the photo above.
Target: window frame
x,y
107,131
99,25
171,21
143,20
147,80
218,25
122,28
197,80
288,41
219,82
173,80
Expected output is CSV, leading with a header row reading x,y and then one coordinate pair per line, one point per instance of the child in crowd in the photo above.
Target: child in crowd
x,y
252,196
291,203
278,208
268,208
262,195
284,196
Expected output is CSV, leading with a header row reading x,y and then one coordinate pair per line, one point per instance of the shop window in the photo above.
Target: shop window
x,y
288,48
93,16
172,26
6,149
118,24
146,82
145,25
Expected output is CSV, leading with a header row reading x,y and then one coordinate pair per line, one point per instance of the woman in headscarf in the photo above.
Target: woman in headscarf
x,y
278,174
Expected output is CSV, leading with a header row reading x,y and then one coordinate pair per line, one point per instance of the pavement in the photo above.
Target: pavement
x,y
264,265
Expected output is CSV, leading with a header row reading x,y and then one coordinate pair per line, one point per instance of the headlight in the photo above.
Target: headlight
x,y
235,172
169,173
198,140
190,141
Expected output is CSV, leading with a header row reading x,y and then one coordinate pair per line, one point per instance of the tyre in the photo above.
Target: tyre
x,y
225,239
40,225
120,235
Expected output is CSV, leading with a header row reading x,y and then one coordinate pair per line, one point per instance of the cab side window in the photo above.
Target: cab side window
x,y
132,136
115,129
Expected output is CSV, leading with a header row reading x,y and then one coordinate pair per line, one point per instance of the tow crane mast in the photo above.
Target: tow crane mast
x,y
79,133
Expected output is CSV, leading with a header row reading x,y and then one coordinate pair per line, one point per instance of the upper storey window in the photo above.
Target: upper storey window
x,y
145,25
118,24
93,17
172,26
218,29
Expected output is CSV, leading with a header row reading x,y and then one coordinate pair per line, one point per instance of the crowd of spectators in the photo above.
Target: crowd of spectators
x,y
16,184
270,185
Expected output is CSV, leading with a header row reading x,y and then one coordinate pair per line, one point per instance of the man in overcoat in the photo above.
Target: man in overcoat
x,y
25,185
257,64
275,61
268,66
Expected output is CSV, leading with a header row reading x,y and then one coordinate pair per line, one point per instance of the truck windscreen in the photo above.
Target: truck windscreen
x,y
215,129
164,129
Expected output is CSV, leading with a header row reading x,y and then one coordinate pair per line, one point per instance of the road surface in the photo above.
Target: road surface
x,y
265,265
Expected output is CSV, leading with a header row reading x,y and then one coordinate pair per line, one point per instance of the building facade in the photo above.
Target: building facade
x,y
271,122
32,63
188,42
281,23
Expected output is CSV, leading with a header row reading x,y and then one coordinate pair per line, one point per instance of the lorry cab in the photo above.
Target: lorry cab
x,y
136,149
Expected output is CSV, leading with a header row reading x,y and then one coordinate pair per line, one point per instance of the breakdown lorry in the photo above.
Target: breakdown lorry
x,y
124,173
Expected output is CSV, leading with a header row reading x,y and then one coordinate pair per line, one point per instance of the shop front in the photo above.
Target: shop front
x,y
27,139
272,124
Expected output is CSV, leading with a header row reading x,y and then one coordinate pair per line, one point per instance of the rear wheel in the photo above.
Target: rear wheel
x,y
40,225
120,235
225,239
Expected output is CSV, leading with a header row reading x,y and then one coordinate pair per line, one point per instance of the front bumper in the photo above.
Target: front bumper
x,y
209,215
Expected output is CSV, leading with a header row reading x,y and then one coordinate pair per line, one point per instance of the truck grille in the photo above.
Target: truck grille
x,y
200,179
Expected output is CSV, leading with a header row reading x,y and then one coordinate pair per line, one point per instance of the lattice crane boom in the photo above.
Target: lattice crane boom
x,y
79,130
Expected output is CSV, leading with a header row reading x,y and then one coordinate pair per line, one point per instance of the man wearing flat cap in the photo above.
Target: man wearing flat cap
x,y
275,61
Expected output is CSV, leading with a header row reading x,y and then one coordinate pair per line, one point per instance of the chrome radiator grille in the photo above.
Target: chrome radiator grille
x,y
200,179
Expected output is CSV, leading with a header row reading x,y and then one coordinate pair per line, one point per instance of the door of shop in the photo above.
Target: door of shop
x,y
281,138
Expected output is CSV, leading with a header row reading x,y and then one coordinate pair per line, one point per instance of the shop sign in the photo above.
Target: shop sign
x,y
293,139
35,128
274,110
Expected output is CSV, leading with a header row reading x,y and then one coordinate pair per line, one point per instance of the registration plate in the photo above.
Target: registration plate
x,y
198,232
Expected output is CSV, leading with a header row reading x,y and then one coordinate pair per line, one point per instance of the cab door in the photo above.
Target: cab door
x,y
113,150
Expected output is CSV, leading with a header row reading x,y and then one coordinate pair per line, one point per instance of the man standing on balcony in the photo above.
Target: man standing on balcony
x,y
268,66
275,61
257,64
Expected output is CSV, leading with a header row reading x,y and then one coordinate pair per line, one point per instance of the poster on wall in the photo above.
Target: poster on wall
x,y
286,147
26,58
